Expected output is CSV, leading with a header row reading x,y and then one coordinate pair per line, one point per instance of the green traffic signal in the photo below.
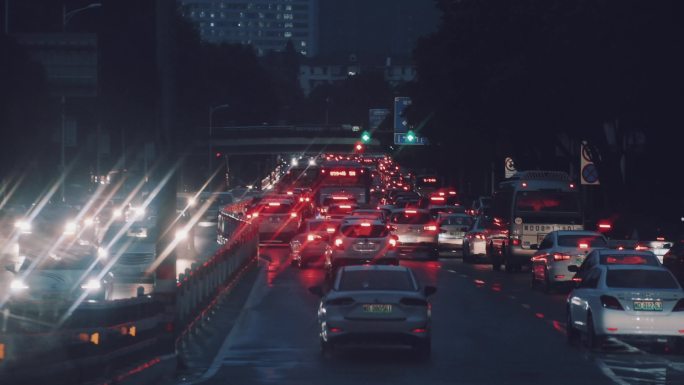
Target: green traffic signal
x,y
365,137
410,136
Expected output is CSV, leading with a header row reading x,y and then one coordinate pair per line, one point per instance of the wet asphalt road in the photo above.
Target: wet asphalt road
x,y
488,328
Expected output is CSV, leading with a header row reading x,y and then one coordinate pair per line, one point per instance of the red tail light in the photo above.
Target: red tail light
x,y
641,248
438,199
515,242
583,245
479,236
330,230
430,228
604,226
293,215
392,243
339,244
312,237
609,302
560,257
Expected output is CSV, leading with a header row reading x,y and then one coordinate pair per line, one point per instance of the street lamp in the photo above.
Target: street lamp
x,y
211,131
66,16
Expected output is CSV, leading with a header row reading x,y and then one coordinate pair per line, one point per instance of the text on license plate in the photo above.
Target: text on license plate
x,y
377,308
648,305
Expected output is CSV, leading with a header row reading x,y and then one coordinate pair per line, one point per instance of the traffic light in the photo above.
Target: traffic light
x,y
411,136
358,147
365,137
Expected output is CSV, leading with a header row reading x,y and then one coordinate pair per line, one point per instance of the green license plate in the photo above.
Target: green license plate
x,y
377,308
648,305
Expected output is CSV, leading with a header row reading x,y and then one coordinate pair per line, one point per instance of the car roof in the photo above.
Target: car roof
x,y
462,215
418,211
622,252
352,220
576,232
633,267
374,268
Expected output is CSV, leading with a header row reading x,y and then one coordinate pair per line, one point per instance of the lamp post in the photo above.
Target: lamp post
x,y
66,16
213,109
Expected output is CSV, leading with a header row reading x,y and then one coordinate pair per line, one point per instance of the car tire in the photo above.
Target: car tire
x,y
423,349
548,285
496,263
533,282
327,348
465,252
592,340
572,335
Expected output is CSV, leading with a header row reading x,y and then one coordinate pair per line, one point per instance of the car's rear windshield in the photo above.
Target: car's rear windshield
x,y
577,240
376,280
641,279
274,208
365,231
408,217
340,209
323,226
629,259
457,220
341,199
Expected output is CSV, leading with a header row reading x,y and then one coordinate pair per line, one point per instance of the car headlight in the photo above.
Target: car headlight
x,y
70,228
102,253
139,212
92,285
89,221
192,201
18,285
23,226
181,234
117,213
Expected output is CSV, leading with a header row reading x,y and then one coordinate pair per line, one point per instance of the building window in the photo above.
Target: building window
x,y
287,16
287,34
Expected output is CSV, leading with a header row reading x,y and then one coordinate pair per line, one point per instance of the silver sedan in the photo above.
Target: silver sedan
x,y
374,305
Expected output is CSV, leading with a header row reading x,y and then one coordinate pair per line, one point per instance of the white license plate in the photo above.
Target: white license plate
x,y
377,308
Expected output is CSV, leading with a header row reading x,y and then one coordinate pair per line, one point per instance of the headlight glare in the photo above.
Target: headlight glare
x,y
18,285
92,285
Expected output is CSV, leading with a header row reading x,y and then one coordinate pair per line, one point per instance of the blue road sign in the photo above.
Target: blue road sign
x,y
403,140
590,173
401,125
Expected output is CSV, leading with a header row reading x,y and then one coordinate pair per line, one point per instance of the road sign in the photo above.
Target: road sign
x,y
376,116
509,167
401,125
588,171
402,139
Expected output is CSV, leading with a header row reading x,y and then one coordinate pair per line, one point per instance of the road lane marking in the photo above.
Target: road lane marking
x,y
240,323
526,306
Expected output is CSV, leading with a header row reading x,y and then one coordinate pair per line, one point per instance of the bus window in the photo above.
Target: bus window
x,y
546,202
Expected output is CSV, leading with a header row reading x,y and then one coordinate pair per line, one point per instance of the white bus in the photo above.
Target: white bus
x,y
529,205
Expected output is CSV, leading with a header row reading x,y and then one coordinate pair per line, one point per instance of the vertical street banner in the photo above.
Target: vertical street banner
x,y
588,170
401,125
509,167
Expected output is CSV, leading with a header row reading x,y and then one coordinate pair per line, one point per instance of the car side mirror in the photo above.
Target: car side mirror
x,y
573,268
316,290
534,246
429,290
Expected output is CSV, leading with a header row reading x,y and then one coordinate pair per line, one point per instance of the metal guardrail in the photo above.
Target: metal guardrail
x,y
100,339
